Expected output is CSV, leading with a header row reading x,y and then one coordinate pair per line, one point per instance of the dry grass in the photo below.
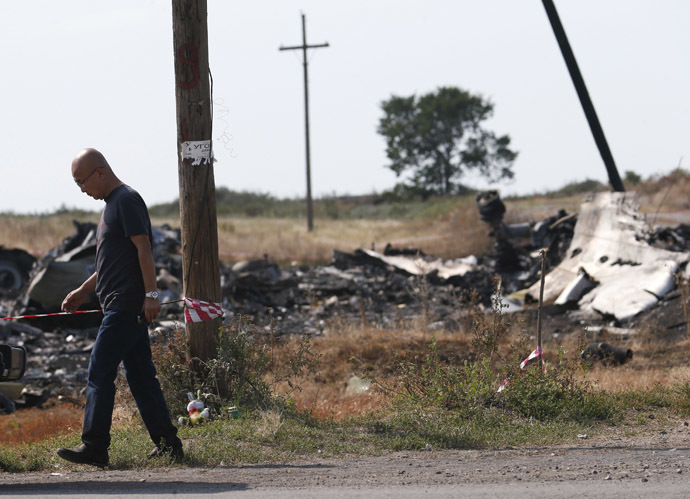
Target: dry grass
x,y
457,234
658,360
534,208
52,419
636,376
658,195
36,424
287,240
369,353
269,423
668,193
358,350
372,353
37,233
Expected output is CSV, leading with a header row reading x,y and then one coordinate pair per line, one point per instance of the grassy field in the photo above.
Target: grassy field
x,y
426,389
456,231
444,227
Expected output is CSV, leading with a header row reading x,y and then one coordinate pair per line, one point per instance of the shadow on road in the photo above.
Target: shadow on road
x,y
120,487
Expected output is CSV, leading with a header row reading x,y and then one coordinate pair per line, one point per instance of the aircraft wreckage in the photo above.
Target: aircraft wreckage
x,y
604,263
604,260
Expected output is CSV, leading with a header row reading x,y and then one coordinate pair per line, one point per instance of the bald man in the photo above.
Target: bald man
x,y
125,282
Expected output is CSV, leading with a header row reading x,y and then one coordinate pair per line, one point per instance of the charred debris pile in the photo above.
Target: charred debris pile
x,y
380,288
364,285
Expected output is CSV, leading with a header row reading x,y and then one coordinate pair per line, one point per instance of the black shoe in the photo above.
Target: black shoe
x,y
84,455
173,452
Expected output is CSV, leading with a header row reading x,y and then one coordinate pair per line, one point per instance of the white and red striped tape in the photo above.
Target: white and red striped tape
x,y
195,311
536,353
200,311
49,315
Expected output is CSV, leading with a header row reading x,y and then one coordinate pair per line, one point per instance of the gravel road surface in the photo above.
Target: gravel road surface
x,y
653,465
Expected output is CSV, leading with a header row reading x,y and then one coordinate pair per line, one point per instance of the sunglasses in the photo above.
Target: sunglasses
x,y
83,181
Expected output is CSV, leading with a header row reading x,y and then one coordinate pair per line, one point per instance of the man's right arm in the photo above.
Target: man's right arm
x,y
75,298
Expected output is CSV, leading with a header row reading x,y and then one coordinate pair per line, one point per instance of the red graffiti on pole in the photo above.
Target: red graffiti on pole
x,y
188,54
184,130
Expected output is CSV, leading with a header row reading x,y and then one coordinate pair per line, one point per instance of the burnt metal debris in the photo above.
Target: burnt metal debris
x,y
362,286
514,256
12,367
606,354
623,275
15,267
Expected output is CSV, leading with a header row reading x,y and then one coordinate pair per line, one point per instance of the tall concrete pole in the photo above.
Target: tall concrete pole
x,y
200,270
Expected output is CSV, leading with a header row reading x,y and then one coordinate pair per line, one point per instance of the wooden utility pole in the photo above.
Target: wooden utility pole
x,y
303,48
200,271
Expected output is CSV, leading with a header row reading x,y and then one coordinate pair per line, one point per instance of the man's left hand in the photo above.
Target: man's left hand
x,y
151,309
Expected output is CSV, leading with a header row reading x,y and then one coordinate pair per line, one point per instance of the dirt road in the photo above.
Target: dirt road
x,y
654,464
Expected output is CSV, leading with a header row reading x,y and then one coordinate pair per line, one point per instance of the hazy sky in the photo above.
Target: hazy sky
x,y
99,73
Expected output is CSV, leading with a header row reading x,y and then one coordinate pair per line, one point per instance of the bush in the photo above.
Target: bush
x,y
554,394
244,372
573,188
472,388
332,206
632,178
171,357
681,400
434,383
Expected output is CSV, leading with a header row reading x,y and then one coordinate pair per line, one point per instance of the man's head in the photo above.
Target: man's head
x,y
93,174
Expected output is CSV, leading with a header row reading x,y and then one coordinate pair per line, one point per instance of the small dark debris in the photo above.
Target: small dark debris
x,y
606,354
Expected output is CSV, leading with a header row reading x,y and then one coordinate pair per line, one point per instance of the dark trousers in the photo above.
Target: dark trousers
x,y
121,339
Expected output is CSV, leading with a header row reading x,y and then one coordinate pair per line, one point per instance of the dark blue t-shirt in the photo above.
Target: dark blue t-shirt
x,y
120,285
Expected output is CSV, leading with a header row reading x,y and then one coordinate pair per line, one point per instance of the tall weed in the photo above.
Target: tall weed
x,y
437,383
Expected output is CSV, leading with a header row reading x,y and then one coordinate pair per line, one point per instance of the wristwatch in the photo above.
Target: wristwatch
x,y
152,294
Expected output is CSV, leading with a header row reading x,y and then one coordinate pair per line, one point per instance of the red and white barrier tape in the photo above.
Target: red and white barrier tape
x,y
50,315
200,311
536,353
195,311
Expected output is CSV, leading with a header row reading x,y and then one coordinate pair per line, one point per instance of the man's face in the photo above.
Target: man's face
x,y
89,181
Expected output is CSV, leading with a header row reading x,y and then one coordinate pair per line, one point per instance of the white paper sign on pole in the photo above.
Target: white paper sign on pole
x,y
199,151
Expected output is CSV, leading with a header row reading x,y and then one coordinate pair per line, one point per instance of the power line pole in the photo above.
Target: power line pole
x,y
200,271
304,47
583,94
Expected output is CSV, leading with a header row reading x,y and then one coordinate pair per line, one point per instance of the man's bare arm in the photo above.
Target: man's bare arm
x,y
75,298
152,307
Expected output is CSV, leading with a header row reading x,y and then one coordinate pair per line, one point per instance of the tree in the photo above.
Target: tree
x,y
438,137
632,178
